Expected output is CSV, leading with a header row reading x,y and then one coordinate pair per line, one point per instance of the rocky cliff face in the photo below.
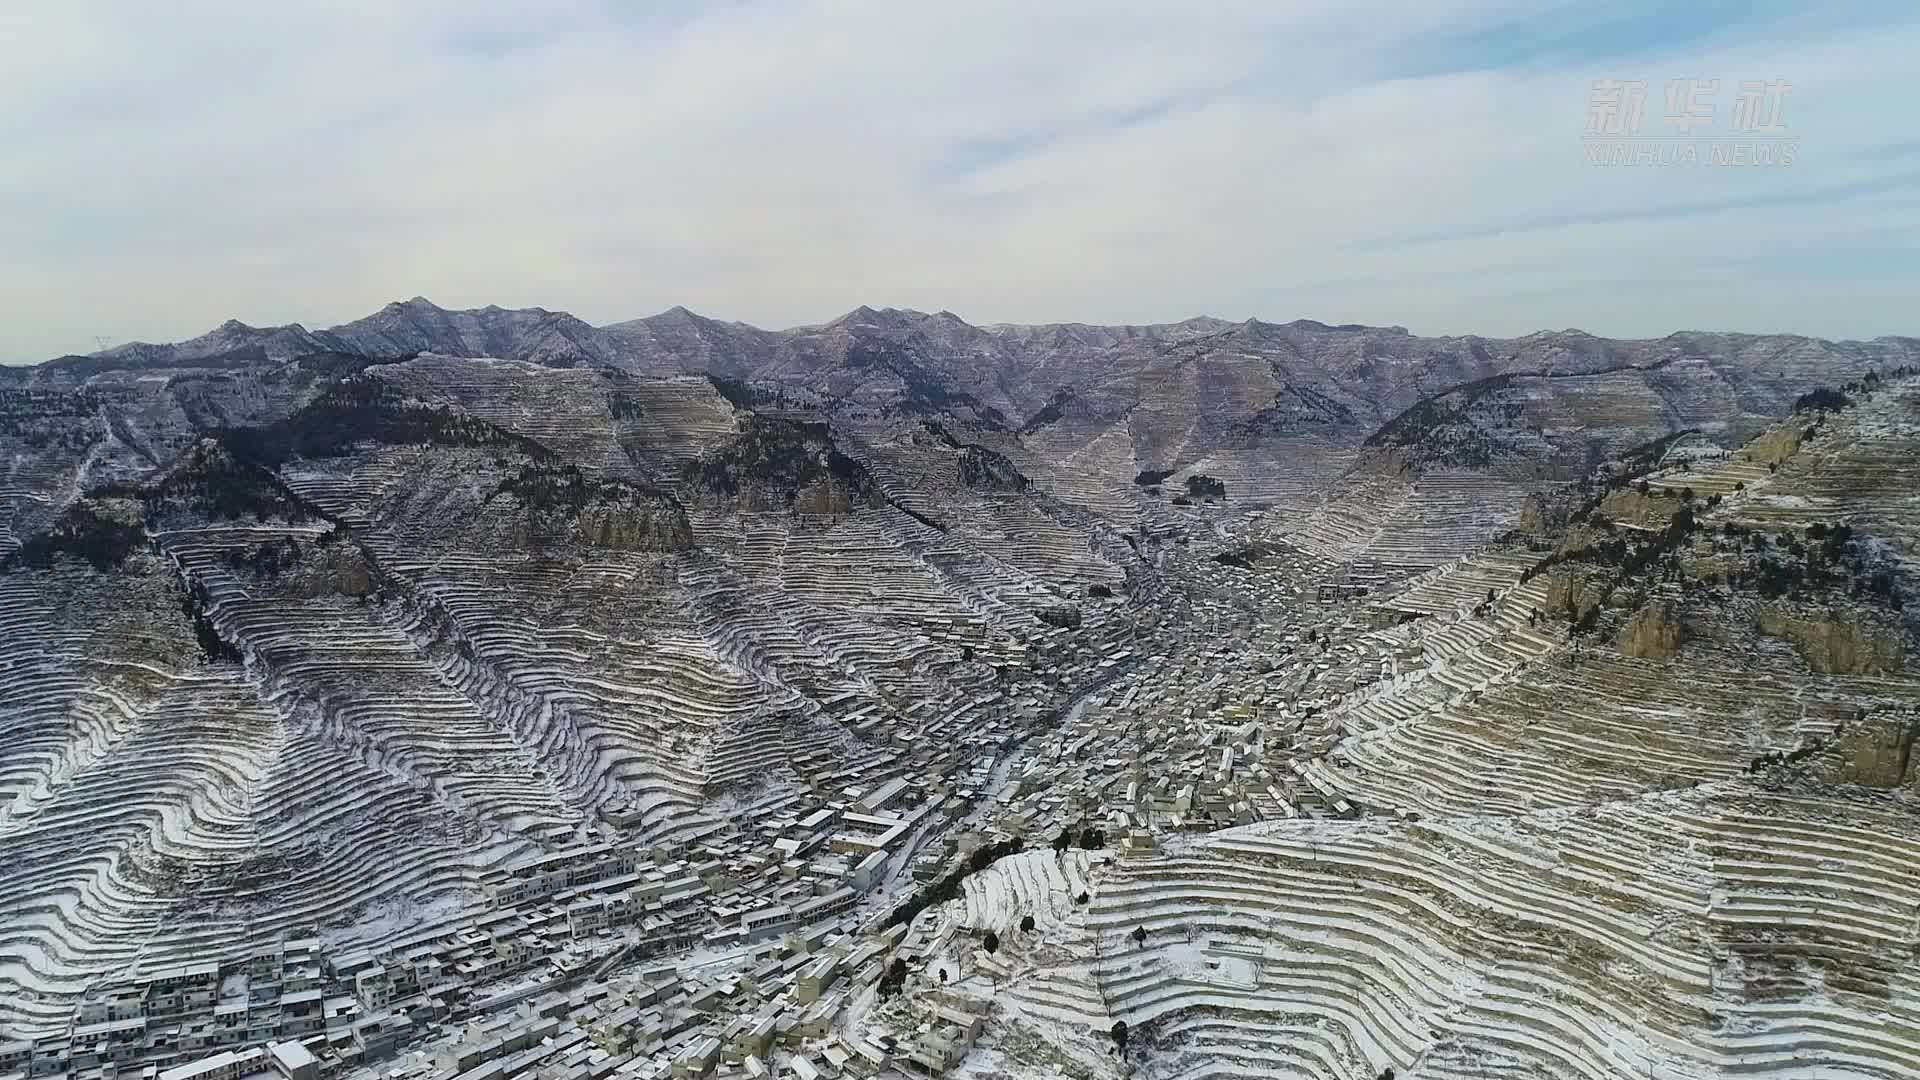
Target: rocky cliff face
x,y
1540,514
1654,633
656,524
821,498
1578,591
338,568
1774,446
559,506
1836,642
777,463
1875,750
1650,511
987,470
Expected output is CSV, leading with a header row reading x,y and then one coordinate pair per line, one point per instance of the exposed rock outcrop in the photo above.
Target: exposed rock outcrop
x,y
989,470
649,524
1876,751
1774,447
334,568
1539,514
558,506
1836,643
1654,633
776,463
1577,591
822,498
1630,507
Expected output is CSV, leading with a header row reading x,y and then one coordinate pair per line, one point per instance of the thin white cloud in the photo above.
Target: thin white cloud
x,y
169,168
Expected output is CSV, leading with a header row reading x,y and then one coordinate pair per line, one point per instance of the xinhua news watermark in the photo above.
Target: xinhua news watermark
x,y
1689,134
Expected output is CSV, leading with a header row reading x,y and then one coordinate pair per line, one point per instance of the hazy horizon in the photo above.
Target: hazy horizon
x,y
1384,163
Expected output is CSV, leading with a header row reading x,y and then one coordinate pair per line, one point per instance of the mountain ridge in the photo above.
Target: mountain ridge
x,y
419,309
1275,410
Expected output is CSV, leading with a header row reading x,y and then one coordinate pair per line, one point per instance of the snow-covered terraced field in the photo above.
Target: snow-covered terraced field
x,y
1288,476
1862,469
611,716
1094,473
1391,526
563,409
1037,883
358,673
156,811
1677,933
1446,515
1471,734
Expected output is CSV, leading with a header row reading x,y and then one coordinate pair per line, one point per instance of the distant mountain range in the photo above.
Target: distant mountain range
x,y
1012,359
1177,395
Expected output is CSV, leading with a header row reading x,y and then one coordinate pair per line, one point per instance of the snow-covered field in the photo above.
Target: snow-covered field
x,y
1698,934
1037,883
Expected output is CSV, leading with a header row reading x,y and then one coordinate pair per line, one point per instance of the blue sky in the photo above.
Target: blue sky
x,y
1380,161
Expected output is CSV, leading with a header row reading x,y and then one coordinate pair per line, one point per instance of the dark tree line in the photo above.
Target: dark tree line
x,y
364,408
544,486
1090,839
265,560
1788,757
84,532
1824,397
787,454
1832,558
1618,551
1065,616
742,395
219,484
948,887
193,604
894,979
66,419
1202,486
1051,412
737,393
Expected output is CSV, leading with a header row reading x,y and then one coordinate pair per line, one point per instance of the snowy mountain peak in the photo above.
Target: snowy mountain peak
x,y
418,304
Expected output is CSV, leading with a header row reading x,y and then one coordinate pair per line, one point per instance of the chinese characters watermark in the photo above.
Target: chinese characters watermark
x,y
1688,136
